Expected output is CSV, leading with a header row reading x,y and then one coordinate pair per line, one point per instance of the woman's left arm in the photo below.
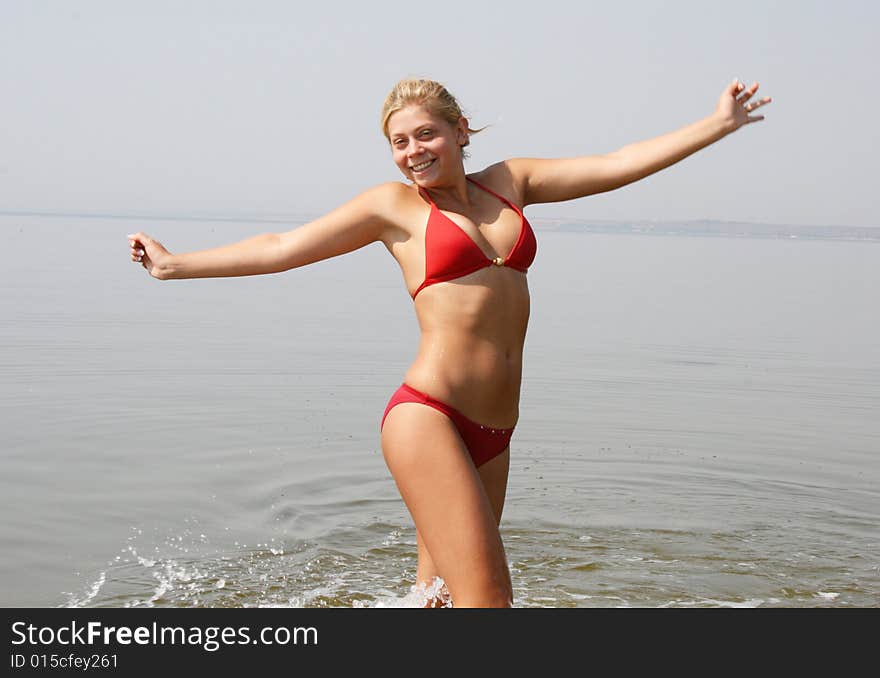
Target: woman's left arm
x,y
555,180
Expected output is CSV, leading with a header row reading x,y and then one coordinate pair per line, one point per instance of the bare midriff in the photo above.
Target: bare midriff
x,y
473,331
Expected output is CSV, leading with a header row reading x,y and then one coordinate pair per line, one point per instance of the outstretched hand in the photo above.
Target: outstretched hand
x,y
148,252
735,107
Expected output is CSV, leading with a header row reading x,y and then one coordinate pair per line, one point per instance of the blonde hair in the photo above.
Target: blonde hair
x,y
428,93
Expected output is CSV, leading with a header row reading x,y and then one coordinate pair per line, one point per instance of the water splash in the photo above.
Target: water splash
x,y
423,594
374,565
90,594
187,570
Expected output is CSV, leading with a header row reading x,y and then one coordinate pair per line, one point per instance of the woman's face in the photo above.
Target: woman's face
x,y
425,148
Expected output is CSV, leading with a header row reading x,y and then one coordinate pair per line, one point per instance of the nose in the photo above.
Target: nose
x,y
414,148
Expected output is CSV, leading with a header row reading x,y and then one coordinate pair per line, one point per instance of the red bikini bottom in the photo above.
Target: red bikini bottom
x,y
482,442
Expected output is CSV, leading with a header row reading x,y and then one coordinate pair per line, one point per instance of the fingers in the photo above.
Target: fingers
x,y
136,246
136,251
738,89
754,105
743,95
733,89
140,237
746,93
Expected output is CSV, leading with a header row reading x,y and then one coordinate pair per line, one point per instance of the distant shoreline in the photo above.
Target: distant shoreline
x,y
726,229
705,227
288,219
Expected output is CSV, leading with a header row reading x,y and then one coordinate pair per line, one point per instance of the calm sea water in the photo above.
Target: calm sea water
x,y
700,425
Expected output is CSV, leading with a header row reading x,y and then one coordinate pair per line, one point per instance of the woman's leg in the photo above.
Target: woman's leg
x,y
456,516
493,475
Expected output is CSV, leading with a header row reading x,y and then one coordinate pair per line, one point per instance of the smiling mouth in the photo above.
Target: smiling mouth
x,y
422,166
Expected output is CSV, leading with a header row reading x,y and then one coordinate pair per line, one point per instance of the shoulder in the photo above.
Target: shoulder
x,y
388,197
382,202
380,194
395,205
507,177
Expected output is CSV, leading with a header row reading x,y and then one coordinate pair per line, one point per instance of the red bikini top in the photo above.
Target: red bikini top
x,y
450,253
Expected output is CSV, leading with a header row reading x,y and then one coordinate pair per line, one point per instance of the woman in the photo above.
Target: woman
x,y
463,246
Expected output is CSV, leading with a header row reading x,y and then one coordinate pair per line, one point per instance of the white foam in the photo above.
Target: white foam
x,y
392,539
420,595
90,594
711,602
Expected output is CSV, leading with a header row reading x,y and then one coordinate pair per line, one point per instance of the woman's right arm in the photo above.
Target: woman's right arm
x,y
355,224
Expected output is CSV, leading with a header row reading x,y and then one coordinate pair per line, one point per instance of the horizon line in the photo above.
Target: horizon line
x,y
288,218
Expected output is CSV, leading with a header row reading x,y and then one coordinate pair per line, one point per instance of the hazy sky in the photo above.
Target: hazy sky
x,y
265,107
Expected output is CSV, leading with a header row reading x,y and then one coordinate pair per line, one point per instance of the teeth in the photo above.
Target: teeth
x,y
421,166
